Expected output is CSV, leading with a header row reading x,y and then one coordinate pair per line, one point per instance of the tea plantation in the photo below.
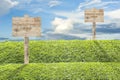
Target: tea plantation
x,y
61,60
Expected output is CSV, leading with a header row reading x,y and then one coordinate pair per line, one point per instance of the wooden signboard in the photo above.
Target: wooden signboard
x,y
26,27
94,15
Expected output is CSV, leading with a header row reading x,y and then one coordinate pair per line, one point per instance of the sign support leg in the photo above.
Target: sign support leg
x,y
94,31
26,51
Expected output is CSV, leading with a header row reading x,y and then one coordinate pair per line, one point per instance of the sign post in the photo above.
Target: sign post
x,y
94,15
26,51
94,31
26,27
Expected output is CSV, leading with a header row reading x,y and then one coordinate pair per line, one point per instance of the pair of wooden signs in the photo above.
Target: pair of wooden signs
x,y
27,26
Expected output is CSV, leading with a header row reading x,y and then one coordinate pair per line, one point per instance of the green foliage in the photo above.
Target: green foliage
x,y
61,60
62,51
61,71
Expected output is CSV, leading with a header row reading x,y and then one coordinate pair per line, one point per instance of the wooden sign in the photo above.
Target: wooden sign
x,y
26,26
94,15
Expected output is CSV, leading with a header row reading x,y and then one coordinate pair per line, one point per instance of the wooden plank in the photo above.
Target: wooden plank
x,y
94,15
26,26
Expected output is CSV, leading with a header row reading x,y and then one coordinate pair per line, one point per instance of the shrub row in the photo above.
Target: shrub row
x,y
62,51
61,71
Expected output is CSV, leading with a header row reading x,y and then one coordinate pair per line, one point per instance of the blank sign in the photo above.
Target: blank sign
x,y
26,26
94,15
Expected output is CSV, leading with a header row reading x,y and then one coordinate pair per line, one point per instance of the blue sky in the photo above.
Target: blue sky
x,y
62,19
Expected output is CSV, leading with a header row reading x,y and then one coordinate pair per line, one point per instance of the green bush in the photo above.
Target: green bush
x,y
61,71
84,60
62,51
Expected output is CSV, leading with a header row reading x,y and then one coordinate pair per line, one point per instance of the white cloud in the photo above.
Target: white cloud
x,y
114,14
53,3
108,36
73,14
37,10
25,1
37,6
62,25
113,17
82,35
95,4
12,3
6,5
87,3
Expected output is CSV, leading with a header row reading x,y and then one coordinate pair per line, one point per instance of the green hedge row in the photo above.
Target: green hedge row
x,y
62,51
61,71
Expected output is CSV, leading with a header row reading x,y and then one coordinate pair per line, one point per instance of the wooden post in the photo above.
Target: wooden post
x,y
26,51
94,31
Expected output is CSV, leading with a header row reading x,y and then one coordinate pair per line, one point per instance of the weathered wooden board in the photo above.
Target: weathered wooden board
x,y
94,15
26,26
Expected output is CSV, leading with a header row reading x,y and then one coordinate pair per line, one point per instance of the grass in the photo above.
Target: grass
x,y
61,71
61,51
61,60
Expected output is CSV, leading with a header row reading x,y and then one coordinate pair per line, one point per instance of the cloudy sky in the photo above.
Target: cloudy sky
x,y
62,19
